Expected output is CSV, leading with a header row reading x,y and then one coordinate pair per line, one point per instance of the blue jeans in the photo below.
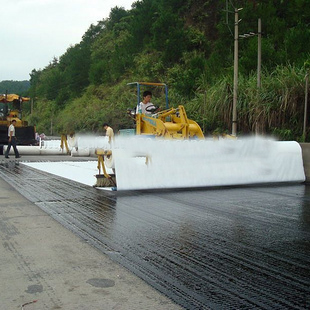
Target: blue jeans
x,y
12,143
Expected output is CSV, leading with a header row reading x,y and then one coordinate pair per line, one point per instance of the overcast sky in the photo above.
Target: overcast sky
x,y
33,32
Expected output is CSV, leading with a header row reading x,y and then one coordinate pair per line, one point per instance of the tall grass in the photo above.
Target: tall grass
x,y
276,108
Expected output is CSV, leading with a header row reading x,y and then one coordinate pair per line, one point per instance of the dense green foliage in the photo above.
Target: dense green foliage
x,y
187,44
14,87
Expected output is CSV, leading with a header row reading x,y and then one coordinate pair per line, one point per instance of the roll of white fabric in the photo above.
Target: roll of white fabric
x,y
80,152
24,150
180,164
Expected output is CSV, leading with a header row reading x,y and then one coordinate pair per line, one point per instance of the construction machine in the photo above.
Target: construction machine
x,y
169,150
171,123
11,109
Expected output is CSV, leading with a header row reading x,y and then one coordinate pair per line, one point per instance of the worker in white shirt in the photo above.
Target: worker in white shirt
x,y
109,132
146,106
12,140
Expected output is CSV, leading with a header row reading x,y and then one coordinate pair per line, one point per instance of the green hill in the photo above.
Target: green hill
x,y
188,45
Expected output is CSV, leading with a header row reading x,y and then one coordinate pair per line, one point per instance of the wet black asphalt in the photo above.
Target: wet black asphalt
x,y
219,248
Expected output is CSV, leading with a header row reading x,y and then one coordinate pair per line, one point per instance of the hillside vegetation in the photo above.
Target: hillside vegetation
x,y
14,87
189,45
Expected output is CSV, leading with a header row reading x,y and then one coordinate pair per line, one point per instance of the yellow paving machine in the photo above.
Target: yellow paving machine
x,y
11,109
171,123
169,150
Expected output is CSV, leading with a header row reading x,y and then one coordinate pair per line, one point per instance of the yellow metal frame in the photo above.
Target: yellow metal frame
x,y
101,153
64,142
172,124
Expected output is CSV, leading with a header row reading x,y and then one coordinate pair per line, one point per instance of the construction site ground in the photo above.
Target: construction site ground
x,y
68,246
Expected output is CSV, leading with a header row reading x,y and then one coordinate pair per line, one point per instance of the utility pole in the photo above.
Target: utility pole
x,y
259,52
306,106
235,96
236,56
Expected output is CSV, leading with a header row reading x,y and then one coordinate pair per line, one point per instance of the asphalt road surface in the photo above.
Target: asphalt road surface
x,y
217,248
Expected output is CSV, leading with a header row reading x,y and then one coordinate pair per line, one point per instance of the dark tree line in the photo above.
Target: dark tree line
x,y
14,87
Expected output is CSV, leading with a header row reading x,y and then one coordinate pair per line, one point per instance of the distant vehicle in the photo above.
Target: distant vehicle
x,y
10,109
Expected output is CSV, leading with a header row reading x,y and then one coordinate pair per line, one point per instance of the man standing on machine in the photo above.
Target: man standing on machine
x,y
146,106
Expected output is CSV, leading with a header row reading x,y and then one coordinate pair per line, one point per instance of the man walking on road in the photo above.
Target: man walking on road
x,y
12,140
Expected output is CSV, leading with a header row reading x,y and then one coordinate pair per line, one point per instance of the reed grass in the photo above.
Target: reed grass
x,y
276,108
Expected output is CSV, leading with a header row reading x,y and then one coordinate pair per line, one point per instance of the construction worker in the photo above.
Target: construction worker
x,y
109,132
12,140
146,106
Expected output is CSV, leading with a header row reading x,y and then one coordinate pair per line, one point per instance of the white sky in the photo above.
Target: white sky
x,y
33,32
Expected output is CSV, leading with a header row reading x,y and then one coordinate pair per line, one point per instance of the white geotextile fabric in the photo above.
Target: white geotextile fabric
x,y
82,172
84,142
146,163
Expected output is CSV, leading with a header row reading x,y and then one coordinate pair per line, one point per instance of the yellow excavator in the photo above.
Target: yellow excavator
x,y
11,109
